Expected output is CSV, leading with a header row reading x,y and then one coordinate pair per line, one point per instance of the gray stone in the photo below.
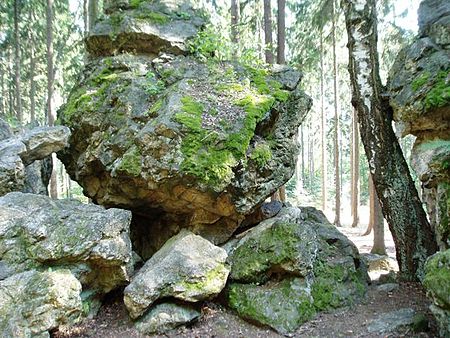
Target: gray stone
x,y
146,154
379,262
38,232
5,130
434,20
150,28
165,317
18,154
388,287
187,267
291,266
391,321
33,303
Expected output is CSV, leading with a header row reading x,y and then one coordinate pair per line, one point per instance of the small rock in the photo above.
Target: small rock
x,y
165,317
388,287
391,321
379,262
187,267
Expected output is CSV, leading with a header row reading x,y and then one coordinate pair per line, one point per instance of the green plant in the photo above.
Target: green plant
x,y
210,43
153,86
261,154
439,95
420,81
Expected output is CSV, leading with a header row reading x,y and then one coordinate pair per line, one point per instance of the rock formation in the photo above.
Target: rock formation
x,y
290,266
437,283
419,86
25,164
180,141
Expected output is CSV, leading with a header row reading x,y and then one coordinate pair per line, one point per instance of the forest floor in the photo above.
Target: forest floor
x,y
218,321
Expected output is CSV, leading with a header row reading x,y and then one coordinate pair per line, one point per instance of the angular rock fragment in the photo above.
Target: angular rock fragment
x,y
187,267
37,232
33,303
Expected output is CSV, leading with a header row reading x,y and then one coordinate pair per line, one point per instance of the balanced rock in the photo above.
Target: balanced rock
x,y
33,303
37,232
419,85
437,284
187,267
165,317
18,154
180,142
289,267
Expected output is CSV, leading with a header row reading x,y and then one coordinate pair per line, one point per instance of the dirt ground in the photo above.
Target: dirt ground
x,y
218,321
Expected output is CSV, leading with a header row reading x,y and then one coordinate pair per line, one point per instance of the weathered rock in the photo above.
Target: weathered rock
x,y
187,267
181,143
437,284
393,320
379,262
290,266
148,27
388,287
37,232
419,86
18,154
5,130
265,211
165,317
33,303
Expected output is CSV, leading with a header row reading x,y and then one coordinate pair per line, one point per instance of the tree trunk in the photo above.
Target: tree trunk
x,y
268,32
85,17
355,171
414,238
378,225
281,32
337,178
235,15
2,89
302,153
18,105
50,116
92,13
32,72
323,128
371,206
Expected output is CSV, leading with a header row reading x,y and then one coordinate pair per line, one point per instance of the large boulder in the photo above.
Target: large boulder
x,y
24,158
182,143
290,266
188,267
437,284
37,232
419,85
33,303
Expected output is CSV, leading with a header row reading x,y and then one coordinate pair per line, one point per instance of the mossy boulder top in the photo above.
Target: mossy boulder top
x,y
205,142
419,81
148,27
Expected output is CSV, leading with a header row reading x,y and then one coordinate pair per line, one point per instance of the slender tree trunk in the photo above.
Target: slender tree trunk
x,y
92,13
235,17
355,171
323,128
378,225
10,85
2,88
302,153
50,77
268,32
337,178
18,106
414,238
281,32
32,72
85,17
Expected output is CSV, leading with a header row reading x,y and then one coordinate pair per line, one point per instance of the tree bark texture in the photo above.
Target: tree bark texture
x,y
18,98
268,32
413,236
235,15
32,72
337,171
281,32
355,171
92,13
323,127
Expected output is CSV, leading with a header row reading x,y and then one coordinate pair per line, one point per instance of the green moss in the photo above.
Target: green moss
x,y
131,162
420,81
261,154
335,286
283,306
437,278
136,3
439,95
155,108
211,282
154,17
